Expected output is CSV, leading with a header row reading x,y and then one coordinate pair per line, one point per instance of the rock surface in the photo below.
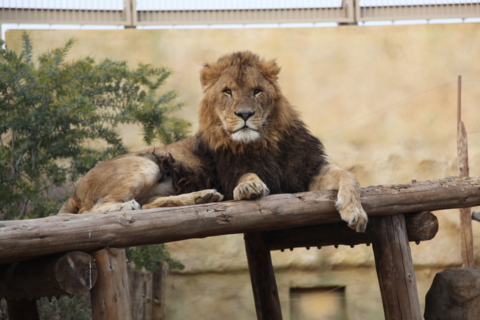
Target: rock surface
x,y
455,294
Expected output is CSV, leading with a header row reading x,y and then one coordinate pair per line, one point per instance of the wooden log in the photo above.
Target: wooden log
x,y
265,292
394,265
420,227
110,296
158,292
70,274
22,309
466,233
25,239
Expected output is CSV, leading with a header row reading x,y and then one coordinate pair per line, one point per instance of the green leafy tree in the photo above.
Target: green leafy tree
x,y
148,257
53,112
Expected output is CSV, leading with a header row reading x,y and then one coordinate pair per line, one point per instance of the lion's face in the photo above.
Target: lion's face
x,y
243,105
240,100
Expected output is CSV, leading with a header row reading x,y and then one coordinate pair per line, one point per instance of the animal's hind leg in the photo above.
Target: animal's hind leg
x,y
188,199
348,202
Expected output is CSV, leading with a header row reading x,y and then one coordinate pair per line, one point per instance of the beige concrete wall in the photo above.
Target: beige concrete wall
x,y
383,101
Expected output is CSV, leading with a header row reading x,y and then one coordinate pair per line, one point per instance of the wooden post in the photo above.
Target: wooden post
x,y
394,265
22,309
111,294
158,292
463,171
265,292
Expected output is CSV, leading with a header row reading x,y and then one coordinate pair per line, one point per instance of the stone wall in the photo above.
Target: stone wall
x,y
383,101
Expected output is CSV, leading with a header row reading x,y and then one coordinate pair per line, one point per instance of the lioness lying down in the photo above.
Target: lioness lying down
x,y
251,142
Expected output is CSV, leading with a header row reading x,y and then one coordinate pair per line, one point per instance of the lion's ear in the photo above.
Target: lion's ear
x,y
208,76
271,70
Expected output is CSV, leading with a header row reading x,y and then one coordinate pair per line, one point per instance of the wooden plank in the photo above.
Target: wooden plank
x,y
25,239
420,227
158,292
71,273
394,266
265,292
110,296
22,309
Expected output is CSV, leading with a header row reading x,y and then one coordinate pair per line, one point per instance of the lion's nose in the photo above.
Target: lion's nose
x,y
245,114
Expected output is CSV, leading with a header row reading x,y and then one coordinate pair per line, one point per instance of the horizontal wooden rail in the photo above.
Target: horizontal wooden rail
x,y
421,226
23,240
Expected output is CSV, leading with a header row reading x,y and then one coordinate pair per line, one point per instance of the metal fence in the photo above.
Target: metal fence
x,y
133,13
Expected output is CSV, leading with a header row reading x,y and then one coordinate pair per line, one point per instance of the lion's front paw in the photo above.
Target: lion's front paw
x,y
352,213
207,196
250,190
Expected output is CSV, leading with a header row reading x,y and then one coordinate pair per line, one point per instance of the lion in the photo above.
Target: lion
x,y
254,142
166,176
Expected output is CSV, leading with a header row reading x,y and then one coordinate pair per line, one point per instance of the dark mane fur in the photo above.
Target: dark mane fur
x,y
286,169
184,179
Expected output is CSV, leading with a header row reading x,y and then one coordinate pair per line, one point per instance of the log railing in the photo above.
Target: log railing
x,y
26,239
270,223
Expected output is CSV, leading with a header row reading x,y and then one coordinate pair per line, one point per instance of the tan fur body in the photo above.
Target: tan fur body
x,y
135,181
256,144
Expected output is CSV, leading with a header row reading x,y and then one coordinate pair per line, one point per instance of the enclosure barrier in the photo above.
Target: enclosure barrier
x,y
293,220
345,12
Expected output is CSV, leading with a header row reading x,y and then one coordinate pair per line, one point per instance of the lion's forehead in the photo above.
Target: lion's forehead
x,y
236,78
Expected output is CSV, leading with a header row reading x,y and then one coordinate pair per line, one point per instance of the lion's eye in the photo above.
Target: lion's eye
x,y
227,91
256,91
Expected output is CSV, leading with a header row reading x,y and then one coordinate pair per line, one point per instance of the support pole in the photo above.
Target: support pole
x,y
111,294
394,265
22,309
463,171
158,292
265,292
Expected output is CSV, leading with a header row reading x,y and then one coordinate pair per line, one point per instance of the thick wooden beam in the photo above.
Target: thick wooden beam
x,y
265,292
420,227
394,265
62,274
23,240
110,296
22,309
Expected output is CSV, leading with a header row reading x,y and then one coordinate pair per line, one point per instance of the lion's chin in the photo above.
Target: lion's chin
x,y
245,136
